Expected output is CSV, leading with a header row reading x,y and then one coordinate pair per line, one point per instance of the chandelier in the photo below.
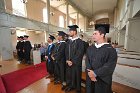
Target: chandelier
x,y
91,23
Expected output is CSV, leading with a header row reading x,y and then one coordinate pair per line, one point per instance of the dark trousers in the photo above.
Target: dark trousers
x,y
21,55
27,56
56,71
50,67
18,55
42,57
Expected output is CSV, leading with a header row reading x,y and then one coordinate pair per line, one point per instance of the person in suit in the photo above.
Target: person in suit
x,y
49,53
27,49
42,52
100,62
74,55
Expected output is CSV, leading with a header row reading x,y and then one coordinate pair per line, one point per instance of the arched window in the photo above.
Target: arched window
x,y
45,16
70,22
61,21
18,8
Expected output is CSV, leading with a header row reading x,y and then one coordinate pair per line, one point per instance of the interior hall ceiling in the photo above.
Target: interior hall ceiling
x,y
86,7
91,7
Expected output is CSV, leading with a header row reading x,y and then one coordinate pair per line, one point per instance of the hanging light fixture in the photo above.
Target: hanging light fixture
x,y
92,22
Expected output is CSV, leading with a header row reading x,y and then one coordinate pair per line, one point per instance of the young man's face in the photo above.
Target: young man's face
x,y
18,38
97,36
59,37
71,33
21,39
25,38
49,40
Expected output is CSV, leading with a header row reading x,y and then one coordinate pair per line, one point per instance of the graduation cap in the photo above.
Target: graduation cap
x,y
73,27
104,28
26,36
21,37
61,33
18,36
51,37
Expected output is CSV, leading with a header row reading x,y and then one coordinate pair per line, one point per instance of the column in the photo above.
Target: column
x,y
130,8
127,34
6,51
85,23
2,6
121,37
77,20
132,37
48,10
67,15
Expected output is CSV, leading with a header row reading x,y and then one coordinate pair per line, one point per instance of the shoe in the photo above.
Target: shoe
x,y
78,91
68,89
63,87
57,82
48,76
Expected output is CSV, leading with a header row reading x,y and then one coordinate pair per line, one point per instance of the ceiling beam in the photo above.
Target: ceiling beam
x,y
78,8
60,5
73,12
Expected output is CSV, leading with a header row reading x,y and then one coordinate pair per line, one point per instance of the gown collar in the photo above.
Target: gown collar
x,y
100,45
60,41
73,38
50,43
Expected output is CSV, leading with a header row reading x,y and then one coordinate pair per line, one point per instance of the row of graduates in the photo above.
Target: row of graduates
x,y
64,61
23,48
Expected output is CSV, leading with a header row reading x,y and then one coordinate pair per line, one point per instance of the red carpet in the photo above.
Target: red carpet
x,y
20,79
2,87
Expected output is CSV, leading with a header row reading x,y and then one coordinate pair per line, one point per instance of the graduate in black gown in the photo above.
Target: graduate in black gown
x,y
86,44
18,48
27,49
49,53
74,54
60,59
100,62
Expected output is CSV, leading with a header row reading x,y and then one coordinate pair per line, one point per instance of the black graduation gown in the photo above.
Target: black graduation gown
x,y
102,61
74,52
50,63
86,45
27,49
18,50
21,46
60,61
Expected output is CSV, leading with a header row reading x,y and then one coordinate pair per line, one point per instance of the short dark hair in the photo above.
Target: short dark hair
x,y
101,32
